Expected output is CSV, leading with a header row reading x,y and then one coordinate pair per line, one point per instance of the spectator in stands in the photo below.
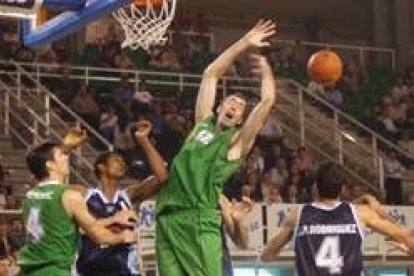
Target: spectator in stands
x,y
279,174
112,35
304,162
107,123
316,88
393,170
24,54
353,76
86,106
273,195
291,55
174,119
11,203
291,194
123,141
47,55
265,185
5,248
123,61
170,60
397,111
255,169
333,95
142,99
390,130
10,40
17,236
247,190
407,144
399,91
123,95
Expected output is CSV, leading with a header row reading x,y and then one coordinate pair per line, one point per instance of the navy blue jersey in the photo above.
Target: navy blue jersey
x,y
328,241
95,260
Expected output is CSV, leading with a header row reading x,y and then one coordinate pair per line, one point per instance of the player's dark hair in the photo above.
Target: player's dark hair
x,y
102,160
329,180
37,157
239,94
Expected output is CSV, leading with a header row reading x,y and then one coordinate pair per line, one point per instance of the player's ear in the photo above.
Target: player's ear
x,y
218,109
49,165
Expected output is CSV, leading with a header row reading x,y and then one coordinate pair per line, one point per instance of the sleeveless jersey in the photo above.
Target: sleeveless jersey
x,y
328,241
51,235
113,260
199,170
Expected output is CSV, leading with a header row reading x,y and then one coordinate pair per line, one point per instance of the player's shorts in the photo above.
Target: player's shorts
x,y
45,270
189,242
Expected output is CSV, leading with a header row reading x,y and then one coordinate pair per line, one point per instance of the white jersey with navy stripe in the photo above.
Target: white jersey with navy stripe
x,y
109,261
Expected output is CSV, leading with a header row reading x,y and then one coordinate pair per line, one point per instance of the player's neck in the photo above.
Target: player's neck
x,y
59,179
328,202
109,187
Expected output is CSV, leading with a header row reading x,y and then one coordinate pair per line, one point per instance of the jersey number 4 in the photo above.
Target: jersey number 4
x,y
328,255
33,225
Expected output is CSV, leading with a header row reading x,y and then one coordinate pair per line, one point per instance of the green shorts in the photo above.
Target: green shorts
x,y
48,270
189,243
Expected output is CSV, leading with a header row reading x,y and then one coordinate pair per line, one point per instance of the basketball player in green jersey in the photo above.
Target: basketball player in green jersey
x,y
52,213
188,239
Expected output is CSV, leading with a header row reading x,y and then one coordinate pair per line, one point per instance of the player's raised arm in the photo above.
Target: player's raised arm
x,y
281,238
75,206
148,187
371,219
244,140
256,37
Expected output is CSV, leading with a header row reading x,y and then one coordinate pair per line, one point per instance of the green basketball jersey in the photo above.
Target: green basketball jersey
x,y
199,170
51,235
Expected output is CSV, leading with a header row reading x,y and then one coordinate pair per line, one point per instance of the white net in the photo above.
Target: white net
x,y
145,26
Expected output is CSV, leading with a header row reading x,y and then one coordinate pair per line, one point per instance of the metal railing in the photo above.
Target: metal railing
x,y
312,115
29,111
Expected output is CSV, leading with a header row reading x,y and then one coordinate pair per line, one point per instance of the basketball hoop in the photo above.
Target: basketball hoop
x,y
145,22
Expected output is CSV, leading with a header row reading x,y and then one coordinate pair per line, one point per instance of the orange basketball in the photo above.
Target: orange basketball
x,y
142,3
325,67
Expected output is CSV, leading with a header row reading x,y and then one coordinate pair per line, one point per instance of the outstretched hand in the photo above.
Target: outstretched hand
x,y
74,138
263,30
241,208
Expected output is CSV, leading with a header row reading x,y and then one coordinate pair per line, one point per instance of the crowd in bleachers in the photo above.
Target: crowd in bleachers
x,y
274,172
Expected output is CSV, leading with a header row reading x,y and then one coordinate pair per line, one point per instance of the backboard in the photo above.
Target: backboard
x,y
74,15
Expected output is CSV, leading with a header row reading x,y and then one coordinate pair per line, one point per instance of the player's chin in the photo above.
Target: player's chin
x,y
227,123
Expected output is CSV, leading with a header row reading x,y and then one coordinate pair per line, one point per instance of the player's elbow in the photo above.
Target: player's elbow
x,y
211,72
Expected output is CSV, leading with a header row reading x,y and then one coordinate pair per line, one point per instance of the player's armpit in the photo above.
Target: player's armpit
x,y
75,207
281,238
